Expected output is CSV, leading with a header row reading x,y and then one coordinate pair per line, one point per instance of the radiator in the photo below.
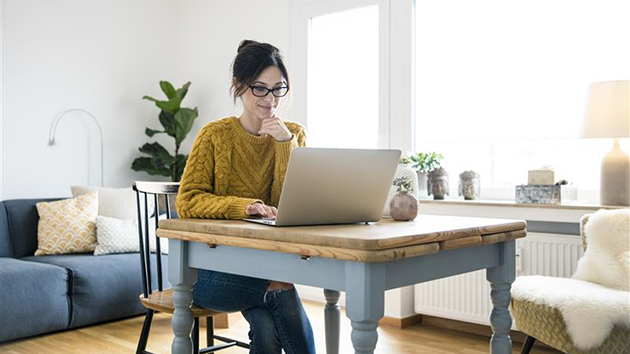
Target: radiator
x,y
466,297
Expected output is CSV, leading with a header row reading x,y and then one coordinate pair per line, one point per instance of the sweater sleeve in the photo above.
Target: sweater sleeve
x,y
195,199
283,152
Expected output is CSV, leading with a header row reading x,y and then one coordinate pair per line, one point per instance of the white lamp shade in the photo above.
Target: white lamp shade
x,y
607,110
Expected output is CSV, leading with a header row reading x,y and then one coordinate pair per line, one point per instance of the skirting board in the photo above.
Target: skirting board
x,y
400,322
472,328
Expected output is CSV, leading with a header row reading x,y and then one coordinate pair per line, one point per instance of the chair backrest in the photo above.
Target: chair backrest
x,y
583,222
145,191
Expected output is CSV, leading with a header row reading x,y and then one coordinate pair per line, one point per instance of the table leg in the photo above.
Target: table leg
x,y
365,296
331,319
182,320
501,279
182,277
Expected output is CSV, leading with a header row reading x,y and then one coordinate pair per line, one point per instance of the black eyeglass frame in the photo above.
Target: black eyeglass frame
x,y
251,87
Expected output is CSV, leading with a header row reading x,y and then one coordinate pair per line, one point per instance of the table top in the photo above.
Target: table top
x,y
387,239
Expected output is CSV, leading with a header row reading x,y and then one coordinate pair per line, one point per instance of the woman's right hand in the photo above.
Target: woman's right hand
x,y
263,210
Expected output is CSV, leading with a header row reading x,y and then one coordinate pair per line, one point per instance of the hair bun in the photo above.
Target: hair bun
x,y
244,43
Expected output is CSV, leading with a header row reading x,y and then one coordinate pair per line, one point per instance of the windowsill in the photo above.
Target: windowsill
x,y
512,204
503,209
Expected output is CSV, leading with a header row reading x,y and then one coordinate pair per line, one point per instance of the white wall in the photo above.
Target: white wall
x,y
211,32
103,56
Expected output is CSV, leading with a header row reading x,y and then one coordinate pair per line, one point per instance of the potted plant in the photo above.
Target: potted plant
x,y
403,206
423,163
176,122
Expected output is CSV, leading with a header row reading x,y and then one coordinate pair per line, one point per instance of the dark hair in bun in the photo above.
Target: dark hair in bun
x,y
251,60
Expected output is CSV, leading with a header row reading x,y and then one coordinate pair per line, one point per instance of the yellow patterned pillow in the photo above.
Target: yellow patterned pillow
x,y
67,226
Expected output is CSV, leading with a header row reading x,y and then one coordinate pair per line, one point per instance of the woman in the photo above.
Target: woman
x,y
236,169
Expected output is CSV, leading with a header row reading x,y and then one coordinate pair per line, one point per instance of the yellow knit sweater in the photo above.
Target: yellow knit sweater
x,y
229,169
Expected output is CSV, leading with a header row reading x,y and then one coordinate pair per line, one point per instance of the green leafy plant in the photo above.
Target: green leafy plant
x,y
405,160
177,122
403,183
426,162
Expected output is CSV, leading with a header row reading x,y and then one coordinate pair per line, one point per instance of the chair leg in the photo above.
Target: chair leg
x,y
209,331
144,334
195,336
528,344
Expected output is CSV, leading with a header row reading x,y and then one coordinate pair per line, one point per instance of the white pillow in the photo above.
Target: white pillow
x,y
121,236
119,203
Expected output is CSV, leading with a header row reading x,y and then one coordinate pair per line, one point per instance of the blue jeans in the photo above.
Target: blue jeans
x,y
276,319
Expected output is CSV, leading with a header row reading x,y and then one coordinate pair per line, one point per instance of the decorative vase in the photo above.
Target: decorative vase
x,y
403,170
422,184
403,207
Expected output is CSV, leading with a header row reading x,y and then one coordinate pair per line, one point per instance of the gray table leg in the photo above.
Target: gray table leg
x,y
182,277
332,318
365,296
501,279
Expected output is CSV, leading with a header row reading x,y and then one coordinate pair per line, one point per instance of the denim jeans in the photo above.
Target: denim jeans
x,y
276,319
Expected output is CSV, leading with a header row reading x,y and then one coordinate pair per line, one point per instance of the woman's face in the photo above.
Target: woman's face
x,y
264,107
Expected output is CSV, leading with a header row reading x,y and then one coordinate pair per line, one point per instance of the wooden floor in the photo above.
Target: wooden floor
x,y
121,337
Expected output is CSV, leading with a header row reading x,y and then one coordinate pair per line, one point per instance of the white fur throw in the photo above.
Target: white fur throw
x,y
606,260
589,310
598,297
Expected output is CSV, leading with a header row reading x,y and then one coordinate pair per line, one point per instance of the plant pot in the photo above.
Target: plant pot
x,y
403,207
422,184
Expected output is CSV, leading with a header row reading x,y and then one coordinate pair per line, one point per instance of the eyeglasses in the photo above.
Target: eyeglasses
x,y
262,91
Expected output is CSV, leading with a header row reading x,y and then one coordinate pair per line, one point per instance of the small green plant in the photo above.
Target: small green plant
x,y
403,183
177,122
426,162
405,160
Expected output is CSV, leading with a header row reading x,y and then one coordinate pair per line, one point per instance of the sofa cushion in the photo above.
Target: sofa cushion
x,y
103,287
6,250
34,298
22,220
67,226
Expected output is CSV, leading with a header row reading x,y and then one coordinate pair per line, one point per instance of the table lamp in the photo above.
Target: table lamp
x,y
608,116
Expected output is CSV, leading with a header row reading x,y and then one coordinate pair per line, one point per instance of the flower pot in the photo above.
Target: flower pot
x,y
403,207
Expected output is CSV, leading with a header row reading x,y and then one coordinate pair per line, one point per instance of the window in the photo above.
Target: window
x,y
346,64
343,79
496,86
500,85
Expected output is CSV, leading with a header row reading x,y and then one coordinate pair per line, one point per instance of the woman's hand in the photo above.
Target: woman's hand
x,y
263,210
275,127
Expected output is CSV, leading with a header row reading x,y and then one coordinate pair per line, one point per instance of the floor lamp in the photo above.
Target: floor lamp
x,y
608,116
55,123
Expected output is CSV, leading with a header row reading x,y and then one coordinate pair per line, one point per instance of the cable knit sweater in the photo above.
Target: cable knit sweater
x,y
229,169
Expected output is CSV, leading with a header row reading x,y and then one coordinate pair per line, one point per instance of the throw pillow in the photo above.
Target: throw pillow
x,y
67,226
119,203
121,236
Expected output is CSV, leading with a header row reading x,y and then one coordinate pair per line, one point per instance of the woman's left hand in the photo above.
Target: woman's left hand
x,y
275,127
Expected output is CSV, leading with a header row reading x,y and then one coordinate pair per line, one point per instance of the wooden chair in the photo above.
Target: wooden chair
x,y
160,299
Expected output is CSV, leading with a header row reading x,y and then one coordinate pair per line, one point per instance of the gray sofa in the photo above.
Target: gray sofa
x,y
51,293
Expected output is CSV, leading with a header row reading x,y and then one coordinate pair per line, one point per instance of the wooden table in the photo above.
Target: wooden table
x,y
363,260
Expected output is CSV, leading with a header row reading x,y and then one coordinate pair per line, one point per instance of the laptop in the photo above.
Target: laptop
x,y
334,186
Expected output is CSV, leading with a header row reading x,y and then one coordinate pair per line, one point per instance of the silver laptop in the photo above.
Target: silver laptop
x,y
334,186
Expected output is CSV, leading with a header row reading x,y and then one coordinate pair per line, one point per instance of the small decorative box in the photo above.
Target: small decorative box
x,y
545,194
537,177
